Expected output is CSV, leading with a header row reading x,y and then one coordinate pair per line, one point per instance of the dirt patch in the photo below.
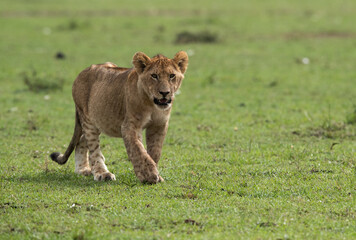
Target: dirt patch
x,y
10,205
267,224
191,221
314,170
60,55
198,37
73,25
334,130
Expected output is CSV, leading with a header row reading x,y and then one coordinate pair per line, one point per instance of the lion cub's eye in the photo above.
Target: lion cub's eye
x,y
155,76
171,76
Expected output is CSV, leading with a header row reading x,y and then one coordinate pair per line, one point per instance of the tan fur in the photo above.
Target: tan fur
x,y
122,102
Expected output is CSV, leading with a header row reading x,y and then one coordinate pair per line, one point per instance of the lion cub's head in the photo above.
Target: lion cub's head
x,y
160,77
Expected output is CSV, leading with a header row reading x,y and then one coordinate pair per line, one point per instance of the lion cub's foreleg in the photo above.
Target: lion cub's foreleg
x,y
144,166
154,139
81,157
96,158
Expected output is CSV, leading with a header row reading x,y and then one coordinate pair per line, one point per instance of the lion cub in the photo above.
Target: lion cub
x,y
122,102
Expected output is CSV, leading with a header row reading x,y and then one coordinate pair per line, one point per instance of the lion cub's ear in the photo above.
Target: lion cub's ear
x,y
140,61
181,59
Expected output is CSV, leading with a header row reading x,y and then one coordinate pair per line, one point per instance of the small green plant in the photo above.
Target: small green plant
x,y
40,83
351,117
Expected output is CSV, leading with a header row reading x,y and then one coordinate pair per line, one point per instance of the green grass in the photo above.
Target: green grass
x,y
260,145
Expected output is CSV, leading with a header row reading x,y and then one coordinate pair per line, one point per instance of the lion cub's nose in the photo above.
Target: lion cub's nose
x,y
164,94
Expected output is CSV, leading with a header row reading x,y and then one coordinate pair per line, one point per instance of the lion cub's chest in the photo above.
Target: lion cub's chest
x,y
111,125
160,116
156,118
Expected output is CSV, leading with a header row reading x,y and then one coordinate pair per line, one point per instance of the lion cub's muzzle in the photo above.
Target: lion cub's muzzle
x,y
162,102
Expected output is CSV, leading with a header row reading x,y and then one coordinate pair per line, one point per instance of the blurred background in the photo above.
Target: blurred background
x,y
291,61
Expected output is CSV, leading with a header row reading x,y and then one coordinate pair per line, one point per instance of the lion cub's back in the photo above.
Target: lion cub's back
x,y
97,77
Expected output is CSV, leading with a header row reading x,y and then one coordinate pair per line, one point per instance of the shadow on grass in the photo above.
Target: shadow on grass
x,y
69,179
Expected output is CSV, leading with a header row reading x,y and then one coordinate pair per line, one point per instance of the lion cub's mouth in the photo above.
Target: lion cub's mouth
x,y
162,101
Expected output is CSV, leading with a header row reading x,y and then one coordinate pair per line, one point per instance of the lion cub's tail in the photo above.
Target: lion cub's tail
x,y
63,158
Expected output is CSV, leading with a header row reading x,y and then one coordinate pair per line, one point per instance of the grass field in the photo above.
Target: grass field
x,y
261,143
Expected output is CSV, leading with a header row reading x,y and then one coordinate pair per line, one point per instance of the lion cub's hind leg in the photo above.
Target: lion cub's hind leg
x,y
81,157
96,158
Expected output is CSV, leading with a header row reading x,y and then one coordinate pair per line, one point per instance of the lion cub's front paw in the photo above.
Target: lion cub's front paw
x,y
148,177
84,172
105,176
160,179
